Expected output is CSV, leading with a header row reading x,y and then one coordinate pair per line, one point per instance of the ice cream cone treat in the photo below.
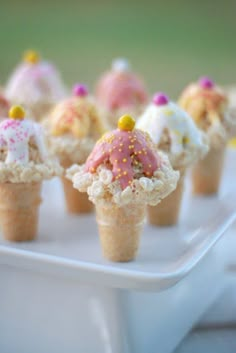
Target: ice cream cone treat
x,y
122,175
207,104
36,84
4,107
174,132
73,127
121,91
24,164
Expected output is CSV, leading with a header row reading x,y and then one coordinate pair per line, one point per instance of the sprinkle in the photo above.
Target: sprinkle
x,y
124,160
168,112
185,140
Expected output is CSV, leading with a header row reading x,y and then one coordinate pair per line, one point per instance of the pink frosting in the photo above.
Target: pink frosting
x,y
120,89
120,150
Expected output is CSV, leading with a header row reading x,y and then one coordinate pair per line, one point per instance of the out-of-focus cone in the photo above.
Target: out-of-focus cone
x,y
206,173
166,213
19,204
76,202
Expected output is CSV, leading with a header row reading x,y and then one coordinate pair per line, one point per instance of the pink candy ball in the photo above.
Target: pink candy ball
x,y
160,99
206,82
80,90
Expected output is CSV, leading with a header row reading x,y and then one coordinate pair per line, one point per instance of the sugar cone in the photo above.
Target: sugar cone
x,y
19,204
76,202
120,229
166,213
206,174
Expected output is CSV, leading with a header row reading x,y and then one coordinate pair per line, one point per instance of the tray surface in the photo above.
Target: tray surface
x,y
70,244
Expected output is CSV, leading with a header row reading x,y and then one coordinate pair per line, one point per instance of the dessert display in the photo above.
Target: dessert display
x,y
174,132
36,84
123,174
72,128
121,91
208,106
24,164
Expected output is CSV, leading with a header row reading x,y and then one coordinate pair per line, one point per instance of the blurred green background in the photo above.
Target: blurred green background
x,y
168,42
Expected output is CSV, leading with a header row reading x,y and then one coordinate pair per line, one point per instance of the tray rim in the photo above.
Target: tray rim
x,y
117,276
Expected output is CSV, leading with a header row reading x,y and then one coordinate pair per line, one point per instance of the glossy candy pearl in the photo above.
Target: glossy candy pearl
x,y
126,123
206,82
160,99
31,57
80,90
16,112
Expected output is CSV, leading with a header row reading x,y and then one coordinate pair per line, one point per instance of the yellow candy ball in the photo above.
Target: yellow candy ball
x,y
31,57
126,123
17,112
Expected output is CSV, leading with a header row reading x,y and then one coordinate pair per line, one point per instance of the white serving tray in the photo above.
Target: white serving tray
x,y
229,186
223,312
59,293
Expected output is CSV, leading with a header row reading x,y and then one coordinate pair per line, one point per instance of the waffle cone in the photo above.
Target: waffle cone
x,y
120,229
19,204
206,174
76,201
166,213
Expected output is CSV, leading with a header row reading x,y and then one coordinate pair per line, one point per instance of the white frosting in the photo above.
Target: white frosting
x,y
182,130
121,65
15,135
